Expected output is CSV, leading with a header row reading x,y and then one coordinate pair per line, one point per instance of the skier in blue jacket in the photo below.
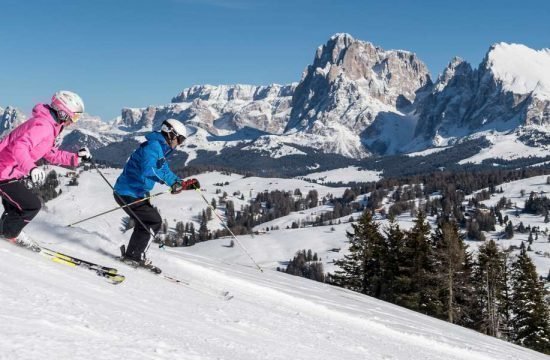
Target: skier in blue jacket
x,y
146,166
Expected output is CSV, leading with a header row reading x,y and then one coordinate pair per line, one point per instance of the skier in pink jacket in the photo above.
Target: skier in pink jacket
x,y
31,141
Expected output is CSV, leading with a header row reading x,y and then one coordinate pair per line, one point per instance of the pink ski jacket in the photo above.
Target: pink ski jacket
x,y
30,142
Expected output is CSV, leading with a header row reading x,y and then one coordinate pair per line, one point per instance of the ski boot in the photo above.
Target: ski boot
x,y
143,262
23,240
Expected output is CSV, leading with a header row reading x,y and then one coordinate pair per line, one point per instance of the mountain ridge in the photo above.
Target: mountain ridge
x,y
358,101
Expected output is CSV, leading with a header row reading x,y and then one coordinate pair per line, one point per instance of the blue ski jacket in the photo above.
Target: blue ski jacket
x,y
146,166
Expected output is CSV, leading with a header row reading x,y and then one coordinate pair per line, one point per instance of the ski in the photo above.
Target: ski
x,y
53,253
108,273
225,295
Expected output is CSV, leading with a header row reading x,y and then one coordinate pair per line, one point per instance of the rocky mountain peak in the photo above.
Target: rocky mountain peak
x,y
10,117
349,83
136,118
333,51
224,93
508,90
457,68
356,99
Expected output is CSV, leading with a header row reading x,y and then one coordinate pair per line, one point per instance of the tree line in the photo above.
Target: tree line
x,y
435,274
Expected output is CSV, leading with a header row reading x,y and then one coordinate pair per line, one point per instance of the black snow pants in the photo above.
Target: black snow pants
x,y
20,207
150,218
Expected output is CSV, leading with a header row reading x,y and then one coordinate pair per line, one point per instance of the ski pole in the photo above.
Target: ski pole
x,y
120,207
124,202
227,228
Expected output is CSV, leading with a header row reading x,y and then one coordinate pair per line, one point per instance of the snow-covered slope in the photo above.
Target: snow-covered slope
x,y
345,175
505,146
50,311
521,70
513,190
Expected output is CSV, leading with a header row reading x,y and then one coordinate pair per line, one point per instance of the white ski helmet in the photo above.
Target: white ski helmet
x,y
68,105
173,126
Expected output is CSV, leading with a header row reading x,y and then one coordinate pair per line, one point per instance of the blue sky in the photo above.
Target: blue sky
x,y
134,53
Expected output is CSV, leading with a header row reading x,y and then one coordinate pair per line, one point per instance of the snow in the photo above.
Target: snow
x,y
504,146
345,175
521,69
427,151
50,311
275,146
512,191
394,129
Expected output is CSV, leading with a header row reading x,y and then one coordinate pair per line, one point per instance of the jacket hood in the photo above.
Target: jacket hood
x,y
42,110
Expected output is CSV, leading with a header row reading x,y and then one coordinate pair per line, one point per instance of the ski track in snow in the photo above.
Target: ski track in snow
x,y
52,311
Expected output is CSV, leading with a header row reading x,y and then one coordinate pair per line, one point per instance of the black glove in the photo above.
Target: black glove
x,y
84,154
185,185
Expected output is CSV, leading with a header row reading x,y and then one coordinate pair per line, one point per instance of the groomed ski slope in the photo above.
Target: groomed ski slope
x,y
51,311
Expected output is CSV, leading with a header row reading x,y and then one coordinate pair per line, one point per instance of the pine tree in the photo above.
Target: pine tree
x,y
164,227
451,273
361,269
395,239
230,214
489,279
415,288
301,265
509,230
180,233
531,321
192,240
203,229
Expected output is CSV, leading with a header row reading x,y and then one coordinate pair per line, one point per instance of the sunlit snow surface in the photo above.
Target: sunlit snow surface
x,y
49,311
505,147
522,70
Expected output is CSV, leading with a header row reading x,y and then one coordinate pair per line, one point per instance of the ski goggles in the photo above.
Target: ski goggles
x,y
67,118
76,116
179,138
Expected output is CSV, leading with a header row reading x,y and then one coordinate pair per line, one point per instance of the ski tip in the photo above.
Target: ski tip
x,y
116,279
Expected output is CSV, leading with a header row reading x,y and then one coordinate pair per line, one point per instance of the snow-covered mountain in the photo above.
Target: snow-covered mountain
x,y
509,91
220,109
354,101
357,99
351,85
10,117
